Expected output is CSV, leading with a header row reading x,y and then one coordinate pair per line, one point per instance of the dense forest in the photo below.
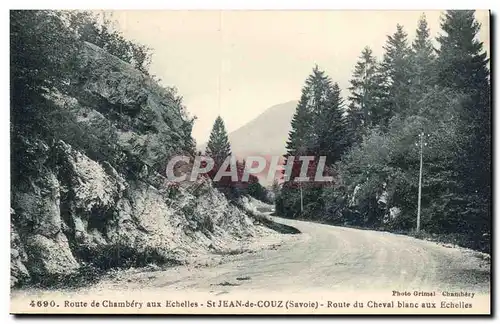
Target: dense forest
x,y
422,98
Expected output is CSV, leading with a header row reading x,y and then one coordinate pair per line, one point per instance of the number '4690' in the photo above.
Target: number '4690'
x,y
43,303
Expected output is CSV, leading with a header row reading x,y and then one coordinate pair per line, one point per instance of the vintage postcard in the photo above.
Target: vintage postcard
x,y
250,162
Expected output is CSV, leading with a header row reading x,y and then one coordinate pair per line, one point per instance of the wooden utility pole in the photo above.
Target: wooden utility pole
x,y
420,180
301,199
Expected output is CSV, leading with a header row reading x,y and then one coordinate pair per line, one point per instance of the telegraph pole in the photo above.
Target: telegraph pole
x,y
301,199
420,180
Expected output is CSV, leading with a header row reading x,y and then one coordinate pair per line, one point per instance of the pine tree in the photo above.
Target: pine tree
x,y
300,136
422,66
365,93
218,147
301,124
422,44
355,125
331,134
396,77
318,129
318,118
460,46
463,67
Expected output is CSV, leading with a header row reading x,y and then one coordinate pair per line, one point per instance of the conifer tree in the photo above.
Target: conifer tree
x,y
301,124
422,42
422,46
463,67
422,66
396,77
331,134
364,99
355,126
317,124
318,129
218,147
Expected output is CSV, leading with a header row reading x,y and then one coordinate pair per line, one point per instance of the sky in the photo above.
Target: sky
x,y
236,64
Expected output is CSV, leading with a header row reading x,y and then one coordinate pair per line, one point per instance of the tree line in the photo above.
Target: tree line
x,y
371,140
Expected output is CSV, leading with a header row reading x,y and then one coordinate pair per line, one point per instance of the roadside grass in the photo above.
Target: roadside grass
x,y
85,276
266,221
230,252
452,240
227,283
108,260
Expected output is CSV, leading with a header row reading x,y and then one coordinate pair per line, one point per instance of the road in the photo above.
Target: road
x,y
328,258
341,265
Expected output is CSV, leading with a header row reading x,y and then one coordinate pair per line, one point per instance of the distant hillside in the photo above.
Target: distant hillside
x,y
264,135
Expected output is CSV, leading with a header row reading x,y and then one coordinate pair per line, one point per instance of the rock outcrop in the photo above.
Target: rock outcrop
x,y
93,193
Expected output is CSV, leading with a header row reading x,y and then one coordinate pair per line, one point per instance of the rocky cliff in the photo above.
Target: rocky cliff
x,y
89,193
